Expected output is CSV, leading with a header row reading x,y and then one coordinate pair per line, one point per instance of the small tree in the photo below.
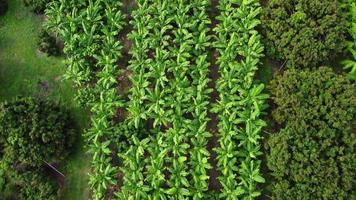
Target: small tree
x,y
313,155
35,185
35,131
305,33
37,6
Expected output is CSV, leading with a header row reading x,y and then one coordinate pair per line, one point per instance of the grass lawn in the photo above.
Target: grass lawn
x,y
24,71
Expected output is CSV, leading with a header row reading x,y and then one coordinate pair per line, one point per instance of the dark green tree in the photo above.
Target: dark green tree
x,y
313,154
35,185
304,33
34,131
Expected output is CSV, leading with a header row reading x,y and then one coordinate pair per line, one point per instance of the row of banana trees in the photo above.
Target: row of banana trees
x,y
241,101
199,155
178,134
170,95
89,30
146,72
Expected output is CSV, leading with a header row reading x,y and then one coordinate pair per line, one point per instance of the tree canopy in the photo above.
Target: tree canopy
x,y
312,156
304,33
33,131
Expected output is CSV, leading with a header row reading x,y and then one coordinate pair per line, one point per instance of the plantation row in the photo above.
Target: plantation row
x,y
241,101
152,139
89,30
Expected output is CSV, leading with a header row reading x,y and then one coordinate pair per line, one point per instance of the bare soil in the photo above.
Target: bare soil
x,y
214,183
214,75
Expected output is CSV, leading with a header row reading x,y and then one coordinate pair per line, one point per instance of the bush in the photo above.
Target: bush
x,y
35,131
3,7
36,185
312,156
48,44
303,32
37,6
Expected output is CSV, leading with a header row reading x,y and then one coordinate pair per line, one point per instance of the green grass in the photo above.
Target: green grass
x,y
21,66
26,72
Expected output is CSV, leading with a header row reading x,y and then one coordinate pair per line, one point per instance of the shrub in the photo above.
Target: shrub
x,y
37,6
303,32
48,44
35,131
3,7
35,185
312,156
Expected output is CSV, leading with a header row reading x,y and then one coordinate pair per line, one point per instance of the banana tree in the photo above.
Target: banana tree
x,y
134,185
158,150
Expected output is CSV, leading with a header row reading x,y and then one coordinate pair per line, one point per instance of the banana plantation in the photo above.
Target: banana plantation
x,y
210,99
167,107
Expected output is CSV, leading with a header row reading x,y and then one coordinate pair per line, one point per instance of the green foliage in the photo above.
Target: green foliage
x,y
3,7
35,185
349,7
134,163
25,72
48,44
8,189
304,33
175,87
6,184
241,101
89,30
35,131
37,6
312,156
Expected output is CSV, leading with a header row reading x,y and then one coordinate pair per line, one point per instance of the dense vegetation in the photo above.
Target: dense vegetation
x,y
37,6
93,49
35,185
175,92
241,101
29,183
168,100
313,155
176,107
169,96
304,33
33,133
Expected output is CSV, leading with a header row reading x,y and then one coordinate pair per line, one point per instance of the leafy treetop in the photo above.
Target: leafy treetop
x,y
34,131
304,33
312,156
